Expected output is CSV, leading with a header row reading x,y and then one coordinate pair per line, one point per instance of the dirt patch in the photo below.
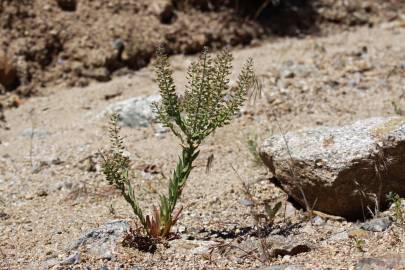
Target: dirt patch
x,y
76,42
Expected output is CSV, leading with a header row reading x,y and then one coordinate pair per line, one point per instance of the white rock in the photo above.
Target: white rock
x,y
332,166
134,112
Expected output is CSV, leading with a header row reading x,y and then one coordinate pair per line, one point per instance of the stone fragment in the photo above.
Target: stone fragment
x,y
98,74
246,202
282,246
339,237
134,112
29,133
387,262
318,221
377,224
289,210
72,259
161,130
329,168
50,263
137,267
284,267
101,242
195,247
308,229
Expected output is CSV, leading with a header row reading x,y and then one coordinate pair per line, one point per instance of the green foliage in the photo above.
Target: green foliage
x,y
359,243
397,109
208,103
253,148
116,169
272,211
395,199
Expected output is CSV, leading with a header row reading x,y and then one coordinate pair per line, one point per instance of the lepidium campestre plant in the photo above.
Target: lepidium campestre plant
x,y
207,104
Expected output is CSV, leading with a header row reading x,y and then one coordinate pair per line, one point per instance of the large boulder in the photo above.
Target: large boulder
x,y
340,170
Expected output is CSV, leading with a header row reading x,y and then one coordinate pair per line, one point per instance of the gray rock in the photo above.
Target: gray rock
x,y
286,73
291,70
45,163
182,229
50,263
308,229
334,167
285,267
355,81
195,247
387,262
72,259
377,224
134,112
204,247
282,246
62,186
318,221
29,133
304,70
290,210
101,242
246,202
161,130
137,267
339,237
99,74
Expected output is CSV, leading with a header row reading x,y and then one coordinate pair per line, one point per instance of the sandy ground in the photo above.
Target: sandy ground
x,y
51,197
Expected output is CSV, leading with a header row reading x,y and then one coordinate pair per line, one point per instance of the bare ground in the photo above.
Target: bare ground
x,y
51,44
51,196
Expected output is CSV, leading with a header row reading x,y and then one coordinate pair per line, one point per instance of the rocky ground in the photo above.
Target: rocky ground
x,y
54,197
46,43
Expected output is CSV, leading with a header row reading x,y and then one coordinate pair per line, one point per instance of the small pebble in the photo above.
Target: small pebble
x,y
318,221
72,259
245,202
377,224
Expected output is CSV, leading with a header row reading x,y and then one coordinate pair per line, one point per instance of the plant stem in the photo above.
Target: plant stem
x,y
181,173
176,185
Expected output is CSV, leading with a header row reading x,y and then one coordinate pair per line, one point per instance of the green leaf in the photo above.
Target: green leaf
x,y
272,212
